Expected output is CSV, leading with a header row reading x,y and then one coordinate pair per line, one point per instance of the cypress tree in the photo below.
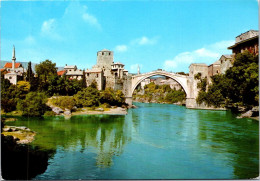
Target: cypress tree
x,y
29,76
83,84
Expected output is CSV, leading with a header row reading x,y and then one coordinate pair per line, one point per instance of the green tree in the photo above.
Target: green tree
x,y
29,74
88,97
64,102
45,70
244,79
239,86
33,105
83,80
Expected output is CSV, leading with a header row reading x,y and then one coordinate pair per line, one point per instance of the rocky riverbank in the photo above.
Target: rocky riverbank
x,y
113,110
21,135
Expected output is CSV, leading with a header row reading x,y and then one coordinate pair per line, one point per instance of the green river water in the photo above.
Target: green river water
x,y
154,141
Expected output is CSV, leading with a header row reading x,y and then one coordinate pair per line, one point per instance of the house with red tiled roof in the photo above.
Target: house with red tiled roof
x,y
61,73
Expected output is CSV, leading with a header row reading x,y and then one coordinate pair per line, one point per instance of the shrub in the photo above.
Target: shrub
x,y
64,102
33,105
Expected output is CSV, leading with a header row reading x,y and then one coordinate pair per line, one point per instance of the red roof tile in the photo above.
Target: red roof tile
x,y
9,65
62,72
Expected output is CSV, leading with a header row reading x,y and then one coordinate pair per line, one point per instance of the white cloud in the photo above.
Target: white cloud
x,y
145,41
208,54
29,40
134,68
92,20
48,25
121,48
49,28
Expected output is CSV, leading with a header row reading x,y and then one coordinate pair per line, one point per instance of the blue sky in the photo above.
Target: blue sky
x,y
154,34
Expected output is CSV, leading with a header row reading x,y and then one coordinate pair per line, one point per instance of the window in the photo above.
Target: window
x,y
109,53
102,53
97,75
87,74
10,77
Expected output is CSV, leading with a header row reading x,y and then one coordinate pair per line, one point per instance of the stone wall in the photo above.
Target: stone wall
x,y
246,35
95,76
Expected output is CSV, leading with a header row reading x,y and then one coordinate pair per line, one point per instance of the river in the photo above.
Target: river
x,y
154,141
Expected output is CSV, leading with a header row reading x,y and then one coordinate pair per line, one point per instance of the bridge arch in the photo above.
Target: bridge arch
x,y
181,79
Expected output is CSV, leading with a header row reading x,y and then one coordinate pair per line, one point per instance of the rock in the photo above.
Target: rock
x,y
67,112
133,106
255,109
99,109
241,109
74,108
247,114
57,110
6,129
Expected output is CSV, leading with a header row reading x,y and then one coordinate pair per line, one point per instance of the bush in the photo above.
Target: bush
x,y
64,102
49,113
87,97
33,105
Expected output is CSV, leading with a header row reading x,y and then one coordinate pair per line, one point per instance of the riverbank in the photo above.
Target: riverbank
x,y
21,135
112,111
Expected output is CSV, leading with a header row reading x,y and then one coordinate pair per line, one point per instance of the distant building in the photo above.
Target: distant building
x,y
196,68
71,72
106,73
246,41
214,68
225,63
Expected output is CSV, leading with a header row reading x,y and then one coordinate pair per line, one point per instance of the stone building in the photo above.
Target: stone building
x,y
225,63
71,72
97,75
246,41
14,70
214,69
196,68
106,73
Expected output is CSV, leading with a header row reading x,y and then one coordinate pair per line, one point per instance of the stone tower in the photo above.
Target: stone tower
x,y
105,59
13,59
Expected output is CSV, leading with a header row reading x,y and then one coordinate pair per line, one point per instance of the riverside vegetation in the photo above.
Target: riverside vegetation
x,y
29,97
238,87
159,94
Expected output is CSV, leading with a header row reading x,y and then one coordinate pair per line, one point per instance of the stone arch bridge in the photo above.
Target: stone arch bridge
x,y
186,83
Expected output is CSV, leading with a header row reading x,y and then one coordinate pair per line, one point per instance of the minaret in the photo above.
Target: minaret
x,y
13,59
138,69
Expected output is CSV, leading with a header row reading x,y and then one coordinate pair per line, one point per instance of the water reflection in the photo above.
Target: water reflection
x,y
235,140
154,141
22,162
107,134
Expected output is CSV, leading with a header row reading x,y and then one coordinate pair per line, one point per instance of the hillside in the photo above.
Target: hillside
x,y
159,94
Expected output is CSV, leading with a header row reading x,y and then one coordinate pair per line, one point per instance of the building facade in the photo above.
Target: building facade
x,y
106,73
246,41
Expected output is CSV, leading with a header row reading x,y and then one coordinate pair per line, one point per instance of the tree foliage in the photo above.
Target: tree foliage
x,y
33,105
29,73
238,86
112,97
45,70
88,97
64,102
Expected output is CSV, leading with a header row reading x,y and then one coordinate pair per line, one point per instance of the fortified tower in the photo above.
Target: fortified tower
x,y
105,59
